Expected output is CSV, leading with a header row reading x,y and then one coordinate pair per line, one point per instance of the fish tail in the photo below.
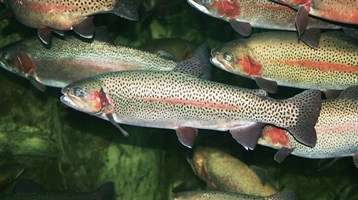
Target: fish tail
x,y
127,9
308,106
198,64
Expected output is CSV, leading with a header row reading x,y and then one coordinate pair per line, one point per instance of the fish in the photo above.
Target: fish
x,y
174,100
73,59
219,195
60,15
275,58
26,189
337,132
223,172
340,11
9,173
245,14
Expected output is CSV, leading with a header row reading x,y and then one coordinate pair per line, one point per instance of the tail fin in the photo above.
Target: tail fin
x,y
198,65
106,191
309,106
127,9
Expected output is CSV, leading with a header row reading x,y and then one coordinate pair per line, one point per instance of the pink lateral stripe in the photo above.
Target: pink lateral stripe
x,y
322,66
268,6
339,127
193,103
42,7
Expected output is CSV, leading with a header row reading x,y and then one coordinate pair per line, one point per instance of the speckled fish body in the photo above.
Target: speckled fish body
x,y
224,172
337,131
61,15
259,13
277,58
73,59
219,195
27,190
345,11
173,100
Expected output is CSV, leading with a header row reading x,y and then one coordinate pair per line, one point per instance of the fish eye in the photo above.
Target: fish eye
x,y
78,92
228,56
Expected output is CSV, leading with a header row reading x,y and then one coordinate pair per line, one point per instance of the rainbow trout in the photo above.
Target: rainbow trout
x,y
26,189
73,59
337,132
244,14
62,15
275,58
173,100
224,172
218,195
340,11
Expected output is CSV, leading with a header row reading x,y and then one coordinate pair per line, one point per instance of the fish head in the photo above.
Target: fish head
x,y
85,95
227,9
274,137
237,58
16,62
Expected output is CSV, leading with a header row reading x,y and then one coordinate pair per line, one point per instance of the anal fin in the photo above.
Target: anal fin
x,y
186,135
85,28
248,135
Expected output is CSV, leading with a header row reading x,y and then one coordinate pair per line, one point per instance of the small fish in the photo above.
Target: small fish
x,y
337,132
62,15
73,59
244,14
340,11
26,189
173,100
275,58
9,173
218,195
224,172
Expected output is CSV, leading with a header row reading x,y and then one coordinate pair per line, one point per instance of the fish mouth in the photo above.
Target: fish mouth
x,y
217,63
199,7
4,64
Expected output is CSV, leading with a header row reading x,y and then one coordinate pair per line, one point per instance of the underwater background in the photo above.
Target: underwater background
x,y
63,149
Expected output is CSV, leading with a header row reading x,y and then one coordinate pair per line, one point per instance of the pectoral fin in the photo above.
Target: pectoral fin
x,y
248,135
111,119
186,135
243,28
37,84
282,154
301,20
267,85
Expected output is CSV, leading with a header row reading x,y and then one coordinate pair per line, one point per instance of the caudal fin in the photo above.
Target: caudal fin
x,y
308,104
127,9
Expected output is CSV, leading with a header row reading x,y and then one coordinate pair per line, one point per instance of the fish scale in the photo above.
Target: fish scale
x,y
174,100
278,57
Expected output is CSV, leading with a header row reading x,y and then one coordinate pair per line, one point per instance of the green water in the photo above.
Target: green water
x,y
63,149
